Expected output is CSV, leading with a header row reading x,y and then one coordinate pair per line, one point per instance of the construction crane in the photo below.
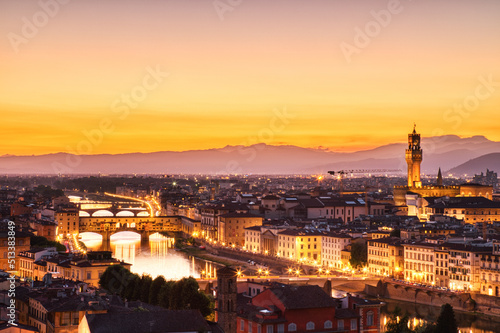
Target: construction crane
x,y
340,174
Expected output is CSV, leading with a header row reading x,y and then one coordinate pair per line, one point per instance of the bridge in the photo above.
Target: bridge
x,y
114,211
143,225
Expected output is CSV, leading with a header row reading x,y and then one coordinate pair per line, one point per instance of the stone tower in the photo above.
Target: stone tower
x,y
226,299
414,158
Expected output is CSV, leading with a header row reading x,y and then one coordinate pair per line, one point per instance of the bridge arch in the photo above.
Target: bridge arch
x,y
103,213
125,213
83,213
143,213
125,235
92,240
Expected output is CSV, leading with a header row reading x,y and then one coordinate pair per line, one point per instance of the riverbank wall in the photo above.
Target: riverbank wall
x,y
470,302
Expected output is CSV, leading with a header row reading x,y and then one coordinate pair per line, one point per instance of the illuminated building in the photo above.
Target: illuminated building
x,y
22,244
300,244
419,264
413,158
231,227
490,271
332,245
385,257
410,197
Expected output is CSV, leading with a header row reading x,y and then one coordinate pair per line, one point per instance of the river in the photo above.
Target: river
x,y
156,257
419,313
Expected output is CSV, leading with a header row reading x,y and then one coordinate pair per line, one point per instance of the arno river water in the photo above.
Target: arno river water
x,y
158,257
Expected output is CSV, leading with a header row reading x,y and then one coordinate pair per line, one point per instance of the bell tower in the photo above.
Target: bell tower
x,y
414,158
225,312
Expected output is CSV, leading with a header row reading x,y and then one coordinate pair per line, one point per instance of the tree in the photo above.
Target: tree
x,y
395,233
446,322
185,294
115,279
134,283
359,254
398,323
146,282
165,294
40,241
155,288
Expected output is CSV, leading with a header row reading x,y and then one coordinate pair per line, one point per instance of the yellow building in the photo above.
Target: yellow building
x,y
253,239
190,227
490,271
385,257
419,263
332,245
442,277
89,268
231,227
10,249
67,220
464,265
472,209
300,244
34,264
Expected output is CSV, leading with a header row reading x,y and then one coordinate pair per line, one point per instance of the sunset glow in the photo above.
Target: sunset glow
x,y
201,82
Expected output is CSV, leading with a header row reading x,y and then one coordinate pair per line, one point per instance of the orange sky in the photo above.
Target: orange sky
x,y
228,77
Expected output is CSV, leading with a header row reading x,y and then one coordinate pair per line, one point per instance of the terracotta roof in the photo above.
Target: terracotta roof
x,y
142,322
242,215
303,297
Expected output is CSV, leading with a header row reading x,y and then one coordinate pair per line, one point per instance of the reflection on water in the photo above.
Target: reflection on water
x,y
419,314
156,257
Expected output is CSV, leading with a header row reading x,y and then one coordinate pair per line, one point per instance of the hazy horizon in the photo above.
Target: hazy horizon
x,y
327,149
181,75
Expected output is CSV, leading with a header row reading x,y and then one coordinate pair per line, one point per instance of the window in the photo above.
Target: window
x,y
310,326
328,324
354,324
292,327
89,275
281,328
269,329
369,318
65,318
340,325
242,325
75,317
249,326
259,329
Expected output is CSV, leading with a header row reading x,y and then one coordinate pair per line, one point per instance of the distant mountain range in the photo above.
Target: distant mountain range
x,y
451,153
478,165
